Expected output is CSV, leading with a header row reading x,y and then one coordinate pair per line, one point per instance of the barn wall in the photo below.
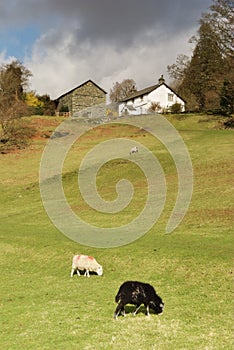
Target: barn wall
x,y
86,96
65,101
82,97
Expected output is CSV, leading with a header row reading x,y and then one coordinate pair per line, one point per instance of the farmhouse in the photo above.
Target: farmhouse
x,y
81,98
157,98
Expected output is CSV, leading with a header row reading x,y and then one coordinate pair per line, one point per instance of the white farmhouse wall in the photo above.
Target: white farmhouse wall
x,y
162,95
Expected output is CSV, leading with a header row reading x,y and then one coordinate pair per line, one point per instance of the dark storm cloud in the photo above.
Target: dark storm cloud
x,y
105,20
103,40
124,20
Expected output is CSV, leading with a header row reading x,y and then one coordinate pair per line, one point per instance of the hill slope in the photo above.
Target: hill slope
x,y
191,268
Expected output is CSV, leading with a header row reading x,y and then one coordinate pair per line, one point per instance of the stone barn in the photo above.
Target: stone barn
x,y
82,99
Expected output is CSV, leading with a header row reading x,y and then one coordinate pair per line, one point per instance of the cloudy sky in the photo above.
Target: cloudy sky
x,y
66,42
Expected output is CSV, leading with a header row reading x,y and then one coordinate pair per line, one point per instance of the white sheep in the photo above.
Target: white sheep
x,y
134,150
85,263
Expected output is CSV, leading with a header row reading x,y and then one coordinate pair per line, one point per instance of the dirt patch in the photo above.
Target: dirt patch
x,y
44,127
45,122
112,131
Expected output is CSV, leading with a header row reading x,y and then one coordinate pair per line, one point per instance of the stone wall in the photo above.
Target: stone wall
x,y
92,112
82,97
66,100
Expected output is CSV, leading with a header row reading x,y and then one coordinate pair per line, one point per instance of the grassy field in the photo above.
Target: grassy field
x,y
191,268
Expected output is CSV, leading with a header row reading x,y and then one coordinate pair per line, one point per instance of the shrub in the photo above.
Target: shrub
x,y
17,135
176,108
229,124
64,109
155,107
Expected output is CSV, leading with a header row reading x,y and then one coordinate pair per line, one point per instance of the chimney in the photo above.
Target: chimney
x,y
161,80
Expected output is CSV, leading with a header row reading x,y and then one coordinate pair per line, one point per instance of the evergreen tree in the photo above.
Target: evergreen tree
x,y
221,20
205,70
200,80
227,98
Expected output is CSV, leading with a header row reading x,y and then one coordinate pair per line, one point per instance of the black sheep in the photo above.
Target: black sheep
x,y
137,293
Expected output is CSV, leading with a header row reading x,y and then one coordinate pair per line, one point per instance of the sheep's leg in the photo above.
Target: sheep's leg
x,y
119,309
86,273
73,270
123,312
137,308
147,310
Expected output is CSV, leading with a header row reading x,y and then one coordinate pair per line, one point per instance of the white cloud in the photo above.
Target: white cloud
x,y
4,59
102,40
62,66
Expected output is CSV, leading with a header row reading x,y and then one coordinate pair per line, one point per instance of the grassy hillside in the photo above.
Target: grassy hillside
x,y
191,268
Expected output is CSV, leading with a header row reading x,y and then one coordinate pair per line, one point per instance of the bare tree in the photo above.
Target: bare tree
x,y
13,80
178,70
221,19
122,90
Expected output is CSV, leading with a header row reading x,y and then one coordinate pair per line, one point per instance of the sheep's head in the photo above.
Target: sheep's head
x,y
100,271
157,305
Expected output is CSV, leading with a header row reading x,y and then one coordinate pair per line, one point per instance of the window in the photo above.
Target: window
x,y
170,97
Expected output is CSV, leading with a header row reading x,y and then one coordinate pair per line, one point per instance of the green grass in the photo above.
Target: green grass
x,y
191,269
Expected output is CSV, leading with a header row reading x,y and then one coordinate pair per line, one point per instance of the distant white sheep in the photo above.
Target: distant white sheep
x,y
85,263
134,150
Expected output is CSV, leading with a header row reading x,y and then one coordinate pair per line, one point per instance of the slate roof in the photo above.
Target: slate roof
x,y
140,93
147,91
